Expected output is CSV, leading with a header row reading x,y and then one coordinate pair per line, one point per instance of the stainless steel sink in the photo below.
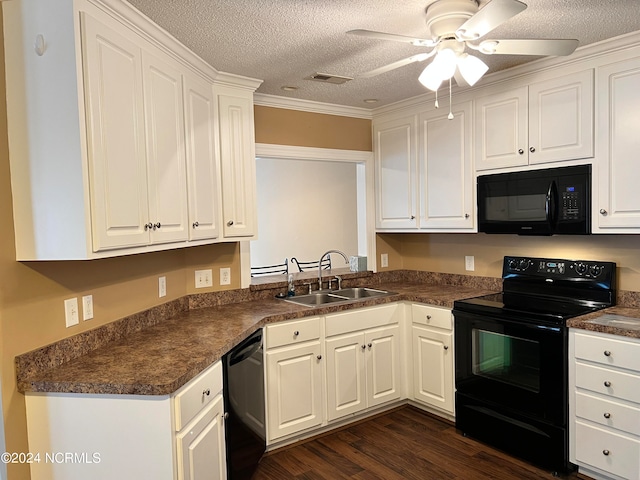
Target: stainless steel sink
x,y
344,295
359,292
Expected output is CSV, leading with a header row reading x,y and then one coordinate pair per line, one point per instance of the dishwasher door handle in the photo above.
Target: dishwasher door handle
x,y
253,344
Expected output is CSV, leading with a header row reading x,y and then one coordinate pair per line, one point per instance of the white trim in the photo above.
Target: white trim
x,y
264,150
312,153
264,100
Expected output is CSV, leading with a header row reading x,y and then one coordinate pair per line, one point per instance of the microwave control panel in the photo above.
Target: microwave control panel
x,y
571,204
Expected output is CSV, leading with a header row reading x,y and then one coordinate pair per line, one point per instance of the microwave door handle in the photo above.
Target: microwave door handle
x,y
547,203
553,204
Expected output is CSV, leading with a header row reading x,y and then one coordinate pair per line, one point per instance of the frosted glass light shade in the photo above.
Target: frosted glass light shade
x,y
430,78
471,68
445,63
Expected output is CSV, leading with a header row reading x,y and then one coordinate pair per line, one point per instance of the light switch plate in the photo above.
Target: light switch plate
x,y
71,314
204,278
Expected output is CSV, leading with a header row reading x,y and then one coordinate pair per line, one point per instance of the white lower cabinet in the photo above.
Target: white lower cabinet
x,y
604,389
293,365
432,343
169,437
363,359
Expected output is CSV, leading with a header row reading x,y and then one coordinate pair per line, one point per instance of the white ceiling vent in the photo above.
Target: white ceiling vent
x,y
328,78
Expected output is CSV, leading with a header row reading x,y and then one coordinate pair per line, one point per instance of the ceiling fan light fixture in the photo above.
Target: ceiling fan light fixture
x,y
471,68
429,78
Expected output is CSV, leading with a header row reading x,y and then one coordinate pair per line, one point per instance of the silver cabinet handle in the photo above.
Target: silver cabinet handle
x,y
319,357
603,212
226,415
196,224
156,225
148,226
363,346
520,151
413,217
206,392
446,347
532,149
607,353
607,383
229,223
428,317
607,415
606,452
466,215
296,333
369,345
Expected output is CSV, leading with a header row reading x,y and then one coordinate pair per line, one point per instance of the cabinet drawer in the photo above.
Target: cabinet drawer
x,y
431,316
622,452
361,319
607,350
197,394
289,333
608,413
608,382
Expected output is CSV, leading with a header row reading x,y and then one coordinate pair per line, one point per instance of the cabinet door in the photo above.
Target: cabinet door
x,y
201,448
383,365
433,368
294,389
237,159
501,130
561,118
203,163
617,204
395,150
446,176
112,68
346,382
166,167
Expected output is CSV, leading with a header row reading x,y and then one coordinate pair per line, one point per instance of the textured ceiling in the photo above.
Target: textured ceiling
x,y
284,41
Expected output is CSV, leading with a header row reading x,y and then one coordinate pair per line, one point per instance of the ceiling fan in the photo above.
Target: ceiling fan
x,y
455,26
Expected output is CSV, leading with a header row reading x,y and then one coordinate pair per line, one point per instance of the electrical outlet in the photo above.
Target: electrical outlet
x,y
469,263
204,278
384,260
87,307
71,312
225,276
162,286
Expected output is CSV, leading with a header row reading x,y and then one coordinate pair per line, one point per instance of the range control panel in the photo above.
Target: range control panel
x,y
556,268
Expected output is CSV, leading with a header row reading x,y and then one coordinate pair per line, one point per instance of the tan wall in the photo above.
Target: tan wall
x,y
446,252
280,126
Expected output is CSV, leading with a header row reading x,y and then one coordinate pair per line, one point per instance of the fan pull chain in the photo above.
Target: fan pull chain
x,y
450,116
437,106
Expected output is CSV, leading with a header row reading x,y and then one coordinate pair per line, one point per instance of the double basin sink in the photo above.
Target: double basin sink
x,y
343,295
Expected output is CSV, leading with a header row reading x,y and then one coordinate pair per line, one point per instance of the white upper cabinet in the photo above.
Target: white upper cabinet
x,y
114,93
237,158
616,206
544,122
203,162
447,200
114,135
395,147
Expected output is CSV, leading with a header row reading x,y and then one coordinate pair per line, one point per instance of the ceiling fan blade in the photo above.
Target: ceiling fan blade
x,y
422,42
400,63
542,47
489,17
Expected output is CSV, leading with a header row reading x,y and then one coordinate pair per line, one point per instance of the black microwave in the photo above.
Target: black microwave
x,y
536,202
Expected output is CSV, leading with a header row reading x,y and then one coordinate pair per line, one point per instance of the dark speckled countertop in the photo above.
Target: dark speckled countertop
x,y
159,359
589,321
157,351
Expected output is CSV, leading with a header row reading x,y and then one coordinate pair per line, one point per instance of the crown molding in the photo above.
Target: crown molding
x,y
264,100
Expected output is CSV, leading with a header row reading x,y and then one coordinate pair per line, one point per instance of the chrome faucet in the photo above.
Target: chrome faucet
x,y
328,252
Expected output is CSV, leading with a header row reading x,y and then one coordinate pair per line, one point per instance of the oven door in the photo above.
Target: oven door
x,y
515,366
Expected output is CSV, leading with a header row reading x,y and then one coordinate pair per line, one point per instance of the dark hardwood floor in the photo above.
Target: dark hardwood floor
x,y
404,443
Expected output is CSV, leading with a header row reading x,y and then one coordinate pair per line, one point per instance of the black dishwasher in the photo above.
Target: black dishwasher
x,y
244,407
